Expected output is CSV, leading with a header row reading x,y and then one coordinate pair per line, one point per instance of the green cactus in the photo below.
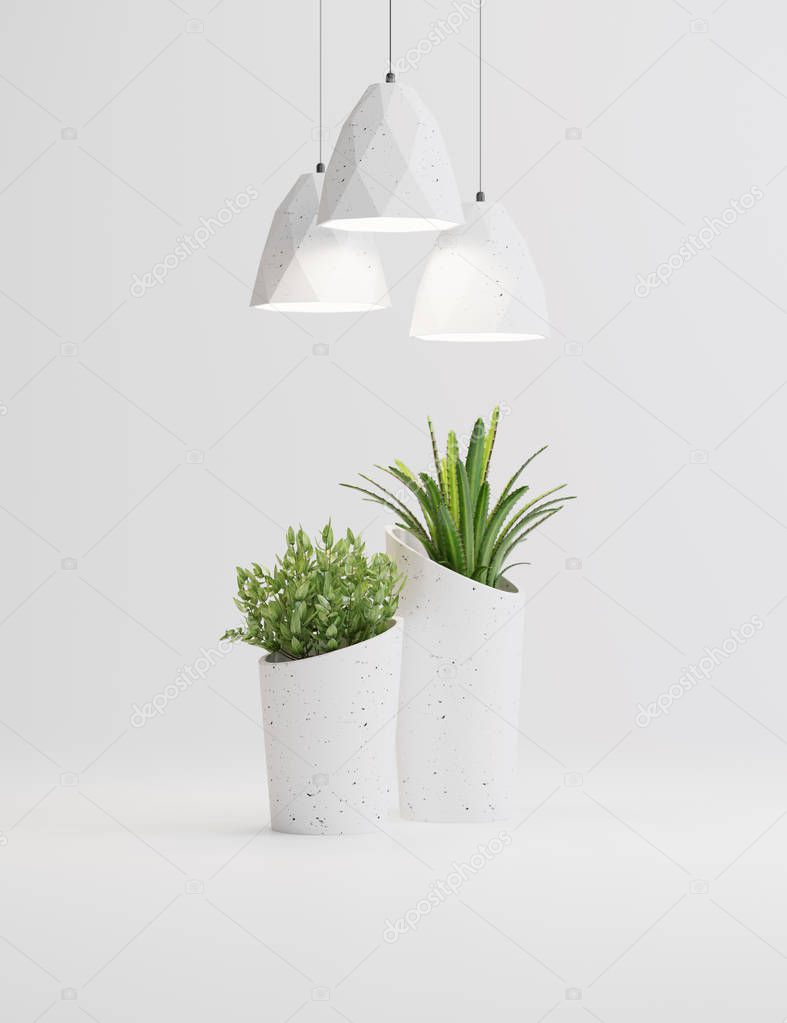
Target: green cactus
x,y
458,529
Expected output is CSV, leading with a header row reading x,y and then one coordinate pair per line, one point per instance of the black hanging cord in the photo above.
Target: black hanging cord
x,y
480,197
320,164
390,77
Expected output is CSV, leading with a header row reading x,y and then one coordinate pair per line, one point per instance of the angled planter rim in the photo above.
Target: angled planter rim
x,y
277,658
415,547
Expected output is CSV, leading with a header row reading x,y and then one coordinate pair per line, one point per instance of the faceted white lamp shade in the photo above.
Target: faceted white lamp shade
x,y
390,169
310,269
480,284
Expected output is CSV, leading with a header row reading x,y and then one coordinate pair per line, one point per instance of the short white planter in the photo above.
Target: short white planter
x,y
330,736
459,697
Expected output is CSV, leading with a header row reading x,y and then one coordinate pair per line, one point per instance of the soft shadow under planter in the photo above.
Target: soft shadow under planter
x,y
459,697
330,736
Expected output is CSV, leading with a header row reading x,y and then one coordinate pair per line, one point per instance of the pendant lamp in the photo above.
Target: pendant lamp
x,y
480,282
390,169
306,268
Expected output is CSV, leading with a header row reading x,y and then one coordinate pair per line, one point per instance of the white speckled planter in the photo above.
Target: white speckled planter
x,y
330,736
459,698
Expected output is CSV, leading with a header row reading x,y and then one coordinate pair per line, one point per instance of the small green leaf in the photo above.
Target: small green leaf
x,y
320,597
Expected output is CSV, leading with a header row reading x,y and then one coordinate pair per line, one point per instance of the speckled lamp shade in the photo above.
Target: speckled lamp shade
x,y
480,283
390,169
312,269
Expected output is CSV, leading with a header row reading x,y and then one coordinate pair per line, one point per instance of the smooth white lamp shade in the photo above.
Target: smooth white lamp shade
x,y
310,269
480,283
390,169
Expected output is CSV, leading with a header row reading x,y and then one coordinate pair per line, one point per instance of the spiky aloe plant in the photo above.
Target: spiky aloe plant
x,y
461,528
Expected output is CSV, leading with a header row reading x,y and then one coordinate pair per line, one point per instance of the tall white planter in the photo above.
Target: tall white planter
x,y
459,697
330,736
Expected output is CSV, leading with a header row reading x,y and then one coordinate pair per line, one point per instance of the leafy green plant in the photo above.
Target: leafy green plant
x,y
461,528
320,597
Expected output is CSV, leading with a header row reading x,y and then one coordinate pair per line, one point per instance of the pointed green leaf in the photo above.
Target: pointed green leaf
x,y
534,503
436,456
495,522
466,524
497,561
453,541
481,511
475,456
452,457
489,443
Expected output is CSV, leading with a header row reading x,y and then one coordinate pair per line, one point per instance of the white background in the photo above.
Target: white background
x,y
646,878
